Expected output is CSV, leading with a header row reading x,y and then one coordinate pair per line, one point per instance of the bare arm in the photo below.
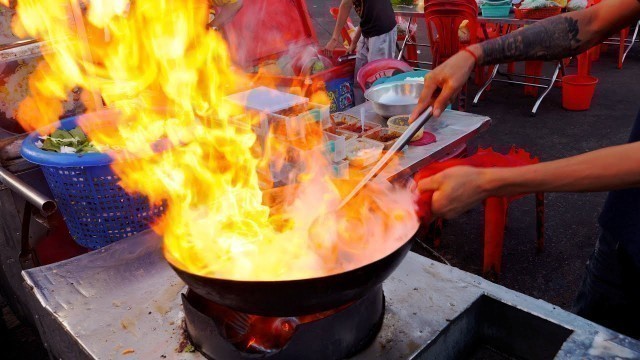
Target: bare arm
x,y
343,15
553,38
458,189
225,14
611,168
354,41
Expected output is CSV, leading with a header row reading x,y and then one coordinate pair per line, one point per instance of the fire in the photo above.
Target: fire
x,y
175,139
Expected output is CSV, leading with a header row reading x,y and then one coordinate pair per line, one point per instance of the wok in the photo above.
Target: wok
x,y
313,295
295,297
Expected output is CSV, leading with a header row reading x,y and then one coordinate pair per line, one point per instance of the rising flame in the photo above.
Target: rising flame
x,y
165,76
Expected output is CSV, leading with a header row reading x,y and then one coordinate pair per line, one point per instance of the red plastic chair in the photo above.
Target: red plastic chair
x,y
410,49
622,44
495,207
443,19
378,69
347,29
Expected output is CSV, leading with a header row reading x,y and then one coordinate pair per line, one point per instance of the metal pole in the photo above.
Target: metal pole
x,y
33,196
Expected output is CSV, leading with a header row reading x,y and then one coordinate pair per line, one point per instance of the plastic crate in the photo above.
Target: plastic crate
x,y
537,14
96,209
496,11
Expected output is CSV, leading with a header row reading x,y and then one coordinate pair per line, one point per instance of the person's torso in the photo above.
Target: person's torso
x,y
621,214
376,17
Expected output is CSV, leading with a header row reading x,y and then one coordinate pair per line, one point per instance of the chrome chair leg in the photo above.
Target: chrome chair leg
x,y
486,85
546,91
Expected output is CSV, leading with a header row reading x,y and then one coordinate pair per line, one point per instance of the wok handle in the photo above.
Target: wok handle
x,y
424,207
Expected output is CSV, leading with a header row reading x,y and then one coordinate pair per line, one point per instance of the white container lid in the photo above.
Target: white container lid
x,y
265,99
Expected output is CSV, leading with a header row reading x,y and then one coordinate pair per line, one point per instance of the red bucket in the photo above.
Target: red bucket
x,y
577,91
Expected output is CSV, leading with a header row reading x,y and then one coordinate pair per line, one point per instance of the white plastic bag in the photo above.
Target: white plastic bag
x,y
538,4
575,5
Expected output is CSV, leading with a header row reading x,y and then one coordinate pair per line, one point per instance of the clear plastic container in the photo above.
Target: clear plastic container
x,y
386,136
341,119
400,124
334,146
348,135
363,152
291,122
357,128
340,169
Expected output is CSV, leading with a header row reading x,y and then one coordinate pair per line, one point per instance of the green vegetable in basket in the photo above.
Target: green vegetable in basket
x,y
67,142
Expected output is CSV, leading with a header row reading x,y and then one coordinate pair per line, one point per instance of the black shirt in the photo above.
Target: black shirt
x,y
621,214
376,17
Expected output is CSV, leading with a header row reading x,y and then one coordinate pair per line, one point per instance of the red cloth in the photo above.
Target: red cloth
x,y
495,207
484,158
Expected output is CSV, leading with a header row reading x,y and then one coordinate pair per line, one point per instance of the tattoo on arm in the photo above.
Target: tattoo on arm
x,y
551,39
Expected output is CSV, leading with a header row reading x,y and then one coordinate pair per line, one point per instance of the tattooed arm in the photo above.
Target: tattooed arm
x,y
553,38
560,36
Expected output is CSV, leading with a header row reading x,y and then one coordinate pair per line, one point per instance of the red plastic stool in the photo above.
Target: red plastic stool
x,y
532,68
495,207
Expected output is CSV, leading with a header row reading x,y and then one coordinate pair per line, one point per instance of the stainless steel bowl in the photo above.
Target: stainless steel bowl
x,y
395,98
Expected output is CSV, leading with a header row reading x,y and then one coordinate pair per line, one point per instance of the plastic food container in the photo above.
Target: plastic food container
x,y
341,119
385,136
340,169
359,129
348,135
335,146
400,124
291,123
363,152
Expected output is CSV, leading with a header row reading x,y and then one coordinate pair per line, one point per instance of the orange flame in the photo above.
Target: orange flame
x,y
165,77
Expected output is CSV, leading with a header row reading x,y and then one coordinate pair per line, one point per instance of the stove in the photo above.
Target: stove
x,y
219,332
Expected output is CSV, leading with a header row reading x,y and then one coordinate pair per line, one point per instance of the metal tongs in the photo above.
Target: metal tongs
x,y
402,141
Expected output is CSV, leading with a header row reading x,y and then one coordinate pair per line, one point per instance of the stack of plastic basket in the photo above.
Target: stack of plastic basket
x,y
96,209
496,8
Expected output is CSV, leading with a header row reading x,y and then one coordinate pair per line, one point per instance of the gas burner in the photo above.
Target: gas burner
x,y
219,332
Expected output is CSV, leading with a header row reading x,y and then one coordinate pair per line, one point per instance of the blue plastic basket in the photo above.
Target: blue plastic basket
x,y
496,11
96,209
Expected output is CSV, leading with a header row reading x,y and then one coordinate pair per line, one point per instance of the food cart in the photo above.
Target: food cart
x,y
278,38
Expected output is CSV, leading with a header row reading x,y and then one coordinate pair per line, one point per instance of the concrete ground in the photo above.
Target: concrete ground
x,y
571,219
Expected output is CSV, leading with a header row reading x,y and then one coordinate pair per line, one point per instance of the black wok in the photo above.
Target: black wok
x,y
295,297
